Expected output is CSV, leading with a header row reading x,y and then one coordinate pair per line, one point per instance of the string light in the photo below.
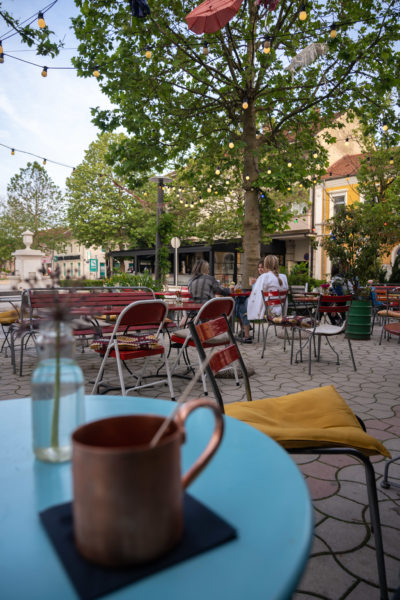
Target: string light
x,y
289,188
96,72
346,141
44,72
289,164
267,45
314,180
12,151
1,47
269,172
201,200
245,104
231,144
303,12
209,190
41,22
205,48
40,157
333,31
247,177
315,155
44,161
1,58
148,53
227,182
385,126
217,171
216,192
391,161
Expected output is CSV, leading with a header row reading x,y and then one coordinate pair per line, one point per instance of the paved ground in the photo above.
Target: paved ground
x,y
342,563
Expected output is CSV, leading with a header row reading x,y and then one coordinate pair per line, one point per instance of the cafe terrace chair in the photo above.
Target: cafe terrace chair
x,y
131,346
182,339
326,305
389,298
316,421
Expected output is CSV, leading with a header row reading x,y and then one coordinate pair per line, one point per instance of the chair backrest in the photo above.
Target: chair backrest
x,y
214,308
275,298
143,312
221,357
333,304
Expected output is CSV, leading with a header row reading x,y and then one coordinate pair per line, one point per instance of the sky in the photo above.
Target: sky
x,y
48,116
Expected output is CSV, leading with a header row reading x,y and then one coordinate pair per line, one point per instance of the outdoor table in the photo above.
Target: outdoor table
x,y
251,482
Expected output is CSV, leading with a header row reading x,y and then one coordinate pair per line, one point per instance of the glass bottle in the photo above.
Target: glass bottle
x,y
57,394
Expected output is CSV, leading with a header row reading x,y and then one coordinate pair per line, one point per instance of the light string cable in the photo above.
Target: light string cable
x,y
15,29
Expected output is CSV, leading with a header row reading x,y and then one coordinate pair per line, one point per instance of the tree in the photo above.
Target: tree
x,y
102,211
361,234
242,103
33,202
28,34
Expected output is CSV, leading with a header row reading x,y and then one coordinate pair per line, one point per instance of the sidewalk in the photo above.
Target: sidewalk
x,y
342,563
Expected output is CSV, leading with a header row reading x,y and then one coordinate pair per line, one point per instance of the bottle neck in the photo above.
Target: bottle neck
x,y
56,340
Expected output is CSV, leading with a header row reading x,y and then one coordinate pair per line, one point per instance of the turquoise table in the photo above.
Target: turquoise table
x,y
251,482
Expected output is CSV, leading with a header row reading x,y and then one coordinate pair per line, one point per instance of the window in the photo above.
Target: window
x,y
338,202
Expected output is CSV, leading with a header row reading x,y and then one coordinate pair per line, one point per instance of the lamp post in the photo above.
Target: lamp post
x,y
160,179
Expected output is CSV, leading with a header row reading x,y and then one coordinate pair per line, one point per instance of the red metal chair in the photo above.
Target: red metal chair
x,y
337,306
210,310
316,421
129,347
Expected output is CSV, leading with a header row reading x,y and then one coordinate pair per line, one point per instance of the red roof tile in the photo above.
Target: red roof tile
x,y
344,167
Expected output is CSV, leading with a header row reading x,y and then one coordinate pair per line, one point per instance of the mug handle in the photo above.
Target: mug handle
x,y
212,445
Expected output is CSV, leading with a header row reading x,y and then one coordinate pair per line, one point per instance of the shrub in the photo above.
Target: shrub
x,y
130,280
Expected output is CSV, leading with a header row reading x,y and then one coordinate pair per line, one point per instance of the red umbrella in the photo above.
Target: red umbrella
x,y
212,15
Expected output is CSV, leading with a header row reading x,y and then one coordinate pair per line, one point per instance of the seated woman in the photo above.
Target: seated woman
x,y
241,308
270,281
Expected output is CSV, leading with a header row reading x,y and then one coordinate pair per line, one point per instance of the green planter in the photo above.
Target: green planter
x,y
359,320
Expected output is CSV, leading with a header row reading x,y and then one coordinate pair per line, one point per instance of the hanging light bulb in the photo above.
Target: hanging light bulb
x,y
303,12
181,201
217,171
278,209
12,151
205,48
267,45
231,144
1,47
1,58
300,185
216,192
44,72
247,177
245,104
44,161
314,180
186,205
346,141
289,188
269,172
289,164
148,53
96,71
391,161
41,22
385,126
209,190
193,189
315,155
333,31
144,193
201,200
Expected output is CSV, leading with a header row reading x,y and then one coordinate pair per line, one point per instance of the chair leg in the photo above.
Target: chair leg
x,y
351,354
265,334
169,378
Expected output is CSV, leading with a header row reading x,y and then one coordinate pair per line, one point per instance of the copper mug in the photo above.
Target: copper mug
x,y
128,497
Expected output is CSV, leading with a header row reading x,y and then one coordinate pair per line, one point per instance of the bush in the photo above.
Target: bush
x,y
82,282
299,275
130,280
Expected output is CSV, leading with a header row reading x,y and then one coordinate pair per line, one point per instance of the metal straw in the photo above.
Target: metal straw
x,y
157,436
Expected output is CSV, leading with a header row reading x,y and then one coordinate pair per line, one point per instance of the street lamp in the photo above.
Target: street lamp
x,y
160,180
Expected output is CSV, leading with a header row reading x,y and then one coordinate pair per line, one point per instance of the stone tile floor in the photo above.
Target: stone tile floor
x,y
342,564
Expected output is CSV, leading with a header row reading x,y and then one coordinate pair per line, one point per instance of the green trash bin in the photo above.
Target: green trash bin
x,y
359,320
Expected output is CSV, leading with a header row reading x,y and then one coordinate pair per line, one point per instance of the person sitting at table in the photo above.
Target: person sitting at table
x,y
270,281
241,308
203,286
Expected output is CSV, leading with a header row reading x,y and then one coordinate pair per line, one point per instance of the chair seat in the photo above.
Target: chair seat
x,y
394,314
326,329
314,418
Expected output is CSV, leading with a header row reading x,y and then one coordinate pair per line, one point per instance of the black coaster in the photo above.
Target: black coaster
x,y
203,530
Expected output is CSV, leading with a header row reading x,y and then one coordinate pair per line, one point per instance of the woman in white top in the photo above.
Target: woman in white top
x,y
270,281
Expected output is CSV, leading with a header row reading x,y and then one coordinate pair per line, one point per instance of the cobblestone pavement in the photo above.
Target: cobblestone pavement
x,y
342,564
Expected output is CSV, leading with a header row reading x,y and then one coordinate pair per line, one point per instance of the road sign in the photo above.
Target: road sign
x,y
93,264
175,242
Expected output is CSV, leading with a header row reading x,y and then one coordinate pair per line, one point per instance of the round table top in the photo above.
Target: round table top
x,y
251,482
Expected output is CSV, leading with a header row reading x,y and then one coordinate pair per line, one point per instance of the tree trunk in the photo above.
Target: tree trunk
x,y
252,222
